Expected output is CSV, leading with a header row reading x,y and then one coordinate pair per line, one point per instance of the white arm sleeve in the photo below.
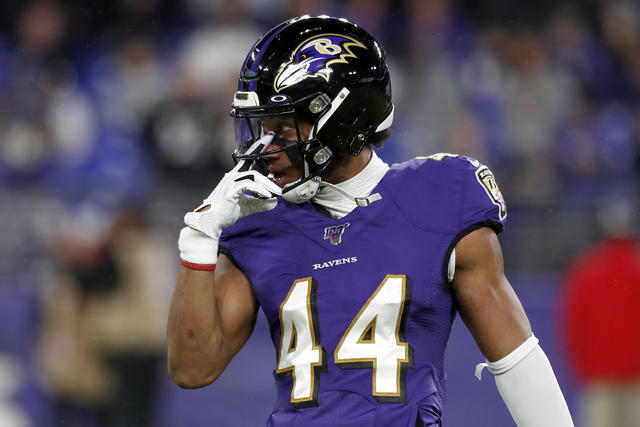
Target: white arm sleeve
x,y
529,388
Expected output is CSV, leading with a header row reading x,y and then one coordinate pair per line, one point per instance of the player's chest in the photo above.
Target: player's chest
x,y
340,265
348,293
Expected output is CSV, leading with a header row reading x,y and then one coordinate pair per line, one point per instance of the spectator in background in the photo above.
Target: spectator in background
x,y
41,30
131,81
122,96
102,333
600,317
188,133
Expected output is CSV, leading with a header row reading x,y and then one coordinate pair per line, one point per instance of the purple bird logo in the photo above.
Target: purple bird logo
x,y
314,57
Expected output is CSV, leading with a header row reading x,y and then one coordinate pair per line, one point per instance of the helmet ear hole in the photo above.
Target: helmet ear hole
x,y
351,126
320,158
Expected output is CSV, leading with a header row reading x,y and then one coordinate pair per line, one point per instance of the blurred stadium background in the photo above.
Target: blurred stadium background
x,y
113,123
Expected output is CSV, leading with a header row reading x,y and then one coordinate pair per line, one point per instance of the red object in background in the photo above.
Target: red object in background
x,y
601,312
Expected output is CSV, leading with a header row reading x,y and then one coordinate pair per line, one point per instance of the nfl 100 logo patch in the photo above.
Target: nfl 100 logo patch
x,y
334,233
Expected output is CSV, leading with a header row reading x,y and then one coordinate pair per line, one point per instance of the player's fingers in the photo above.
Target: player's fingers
x,y
257,189
257,183
256,148
268,184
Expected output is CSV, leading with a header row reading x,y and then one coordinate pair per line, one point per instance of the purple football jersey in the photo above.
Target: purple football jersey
x,y
359,307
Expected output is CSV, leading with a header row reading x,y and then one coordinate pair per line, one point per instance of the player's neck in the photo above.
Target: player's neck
x,y
351,166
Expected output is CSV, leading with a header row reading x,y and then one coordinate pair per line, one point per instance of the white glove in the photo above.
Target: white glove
x,y
227,203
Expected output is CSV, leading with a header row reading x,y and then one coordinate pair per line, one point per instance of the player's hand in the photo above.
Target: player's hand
x,y
241,192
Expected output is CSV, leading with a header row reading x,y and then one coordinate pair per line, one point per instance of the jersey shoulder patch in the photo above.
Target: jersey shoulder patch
x,y
482,196
485,177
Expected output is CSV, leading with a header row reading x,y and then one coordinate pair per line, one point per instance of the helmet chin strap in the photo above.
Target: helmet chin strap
x,y
308,186
360,201
302,192
307,190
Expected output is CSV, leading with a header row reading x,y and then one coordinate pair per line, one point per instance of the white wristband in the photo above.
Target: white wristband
x,y
197,250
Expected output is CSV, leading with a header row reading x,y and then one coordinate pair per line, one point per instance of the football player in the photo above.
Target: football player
x,y
359,267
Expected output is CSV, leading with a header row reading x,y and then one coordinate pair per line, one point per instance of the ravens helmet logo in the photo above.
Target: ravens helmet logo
x,y
314,57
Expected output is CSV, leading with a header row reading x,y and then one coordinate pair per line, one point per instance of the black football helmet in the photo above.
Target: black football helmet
x,y
327,71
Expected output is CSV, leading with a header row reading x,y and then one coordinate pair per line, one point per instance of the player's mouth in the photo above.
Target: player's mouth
x,y
277,178
283,177
281,170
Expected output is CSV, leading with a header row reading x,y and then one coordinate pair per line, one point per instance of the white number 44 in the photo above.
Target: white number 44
x,y
374,340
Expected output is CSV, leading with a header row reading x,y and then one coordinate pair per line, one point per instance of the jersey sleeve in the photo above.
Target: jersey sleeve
x,y
482,201
448,192
481,205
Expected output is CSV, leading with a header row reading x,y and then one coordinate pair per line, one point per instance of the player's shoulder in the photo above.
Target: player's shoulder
x,y
459,188
439,162
437,167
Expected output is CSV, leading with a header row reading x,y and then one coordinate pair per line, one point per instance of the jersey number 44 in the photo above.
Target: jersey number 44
x,y
374,340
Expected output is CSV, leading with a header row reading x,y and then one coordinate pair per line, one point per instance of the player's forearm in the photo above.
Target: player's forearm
x,y
528,386
194,334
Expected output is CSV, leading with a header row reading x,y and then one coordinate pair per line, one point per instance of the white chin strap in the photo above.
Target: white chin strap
x,y
360,201
303,192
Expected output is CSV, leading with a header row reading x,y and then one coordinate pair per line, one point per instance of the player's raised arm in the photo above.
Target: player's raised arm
x,y
496,319
213,309
212,316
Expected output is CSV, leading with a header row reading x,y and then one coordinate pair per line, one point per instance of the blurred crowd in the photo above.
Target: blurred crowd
x,y
108,106
114,121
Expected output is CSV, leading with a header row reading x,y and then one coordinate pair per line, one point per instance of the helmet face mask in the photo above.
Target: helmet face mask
x,y
322,71
250,120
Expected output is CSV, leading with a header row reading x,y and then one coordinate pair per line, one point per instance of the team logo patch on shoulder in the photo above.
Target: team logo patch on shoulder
x,y
314,57
488,181
334,233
